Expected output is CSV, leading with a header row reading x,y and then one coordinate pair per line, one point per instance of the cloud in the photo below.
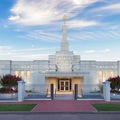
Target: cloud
x,y
5,26
44,12
40,12
105,50
9,53
44,36
84,2
90,35
111,7
77,1
14,18
32,57
81,24
90,51
5,47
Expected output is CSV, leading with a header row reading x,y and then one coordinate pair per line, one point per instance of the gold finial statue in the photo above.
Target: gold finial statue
x,y
64,18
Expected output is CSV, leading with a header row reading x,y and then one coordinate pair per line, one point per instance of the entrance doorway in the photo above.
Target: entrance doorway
x,y
64,85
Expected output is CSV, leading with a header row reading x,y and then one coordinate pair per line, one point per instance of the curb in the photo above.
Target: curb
x,y
30,113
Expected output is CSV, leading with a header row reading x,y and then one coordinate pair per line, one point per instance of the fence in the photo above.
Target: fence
x,y
115,93
8,92
37,91
91,91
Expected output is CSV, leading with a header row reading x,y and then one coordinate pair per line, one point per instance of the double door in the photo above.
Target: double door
x,y
64,85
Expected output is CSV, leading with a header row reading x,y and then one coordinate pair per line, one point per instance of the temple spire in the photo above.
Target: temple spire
x,y
64,18
64,44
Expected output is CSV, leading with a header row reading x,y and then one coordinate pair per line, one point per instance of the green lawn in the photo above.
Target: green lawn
x,y
107,107
16,107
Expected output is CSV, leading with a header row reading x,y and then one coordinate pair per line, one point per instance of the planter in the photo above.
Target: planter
x,y
7,96
114,96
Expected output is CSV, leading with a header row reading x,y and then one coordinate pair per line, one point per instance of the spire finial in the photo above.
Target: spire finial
x,y
64,18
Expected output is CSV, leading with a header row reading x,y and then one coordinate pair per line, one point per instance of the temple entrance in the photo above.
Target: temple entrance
x,y
64,85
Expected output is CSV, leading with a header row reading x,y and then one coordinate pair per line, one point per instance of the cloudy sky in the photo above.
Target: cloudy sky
x,y
31,29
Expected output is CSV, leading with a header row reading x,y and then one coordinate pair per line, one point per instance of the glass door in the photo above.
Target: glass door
x,y
64,85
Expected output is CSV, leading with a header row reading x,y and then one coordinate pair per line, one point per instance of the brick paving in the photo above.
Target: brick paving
x,y
62,105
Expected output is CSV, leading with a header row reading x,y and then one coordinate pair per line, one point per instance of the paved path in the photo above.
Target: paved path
x,y
63,106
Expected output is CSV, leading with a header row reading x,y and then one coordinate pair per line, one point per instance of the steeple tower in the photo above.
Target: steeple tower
x,y
64,43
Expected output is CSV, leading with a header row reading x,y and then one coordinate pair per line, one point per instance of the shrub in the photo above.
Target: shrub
x,y
9,83
115,84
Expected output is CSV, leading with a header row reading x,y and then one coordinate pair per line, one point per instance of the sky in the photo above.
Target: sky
x,y
32,29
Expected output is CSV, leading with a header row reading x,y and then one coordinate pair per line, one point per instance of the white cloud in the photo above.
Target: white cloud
x,y
77,1
105,50
90,51
44,36
32,57
84,2
14,18
5,26
5,47
88,35
112,7
114,33
9,53
81,24
42,12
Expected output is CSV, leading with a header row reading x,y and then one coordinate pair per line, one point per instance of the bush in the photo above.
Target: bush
x,y
115,83
9,83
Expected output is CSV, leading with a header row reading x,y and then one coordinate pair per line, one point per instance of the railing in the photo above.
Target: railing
x,y
37,91
91,91
8,92
115,94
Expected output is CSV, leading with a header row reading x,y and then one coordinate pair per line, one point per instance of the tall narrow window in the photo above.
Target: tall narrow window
x,y
16,73
100,77
27,75
112,73
22,74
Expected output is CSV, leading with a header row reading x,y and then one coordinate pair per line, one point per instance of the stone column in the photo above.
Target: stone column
x,y
106,91
21,91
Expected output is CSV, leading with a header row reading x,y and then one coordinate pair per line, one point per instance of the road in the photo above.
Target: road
x,y
61,116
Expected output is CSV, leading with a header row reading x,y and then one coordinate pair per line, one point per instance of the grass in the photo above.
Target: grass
x,y
107,107
16,107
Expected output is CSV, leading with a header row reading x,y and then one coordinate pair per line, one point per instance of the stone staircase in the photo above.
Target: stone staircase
x,y
64,97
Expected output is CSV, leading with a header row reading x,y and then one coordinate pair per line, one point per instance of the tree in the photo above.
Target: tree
x,y
9,83
115,83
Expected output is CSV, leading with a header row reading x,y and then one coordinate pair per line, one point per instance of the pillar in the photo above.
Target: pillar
x,y
52,91
106,90
76,91
21,91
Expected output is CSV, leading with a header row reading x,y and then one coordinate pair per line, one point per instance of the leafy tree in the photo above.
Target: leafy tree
x,y
9,83
115,83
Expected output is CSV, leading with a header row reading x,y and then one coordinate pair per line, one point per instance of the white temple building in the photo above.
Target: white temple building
x,y
64,69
